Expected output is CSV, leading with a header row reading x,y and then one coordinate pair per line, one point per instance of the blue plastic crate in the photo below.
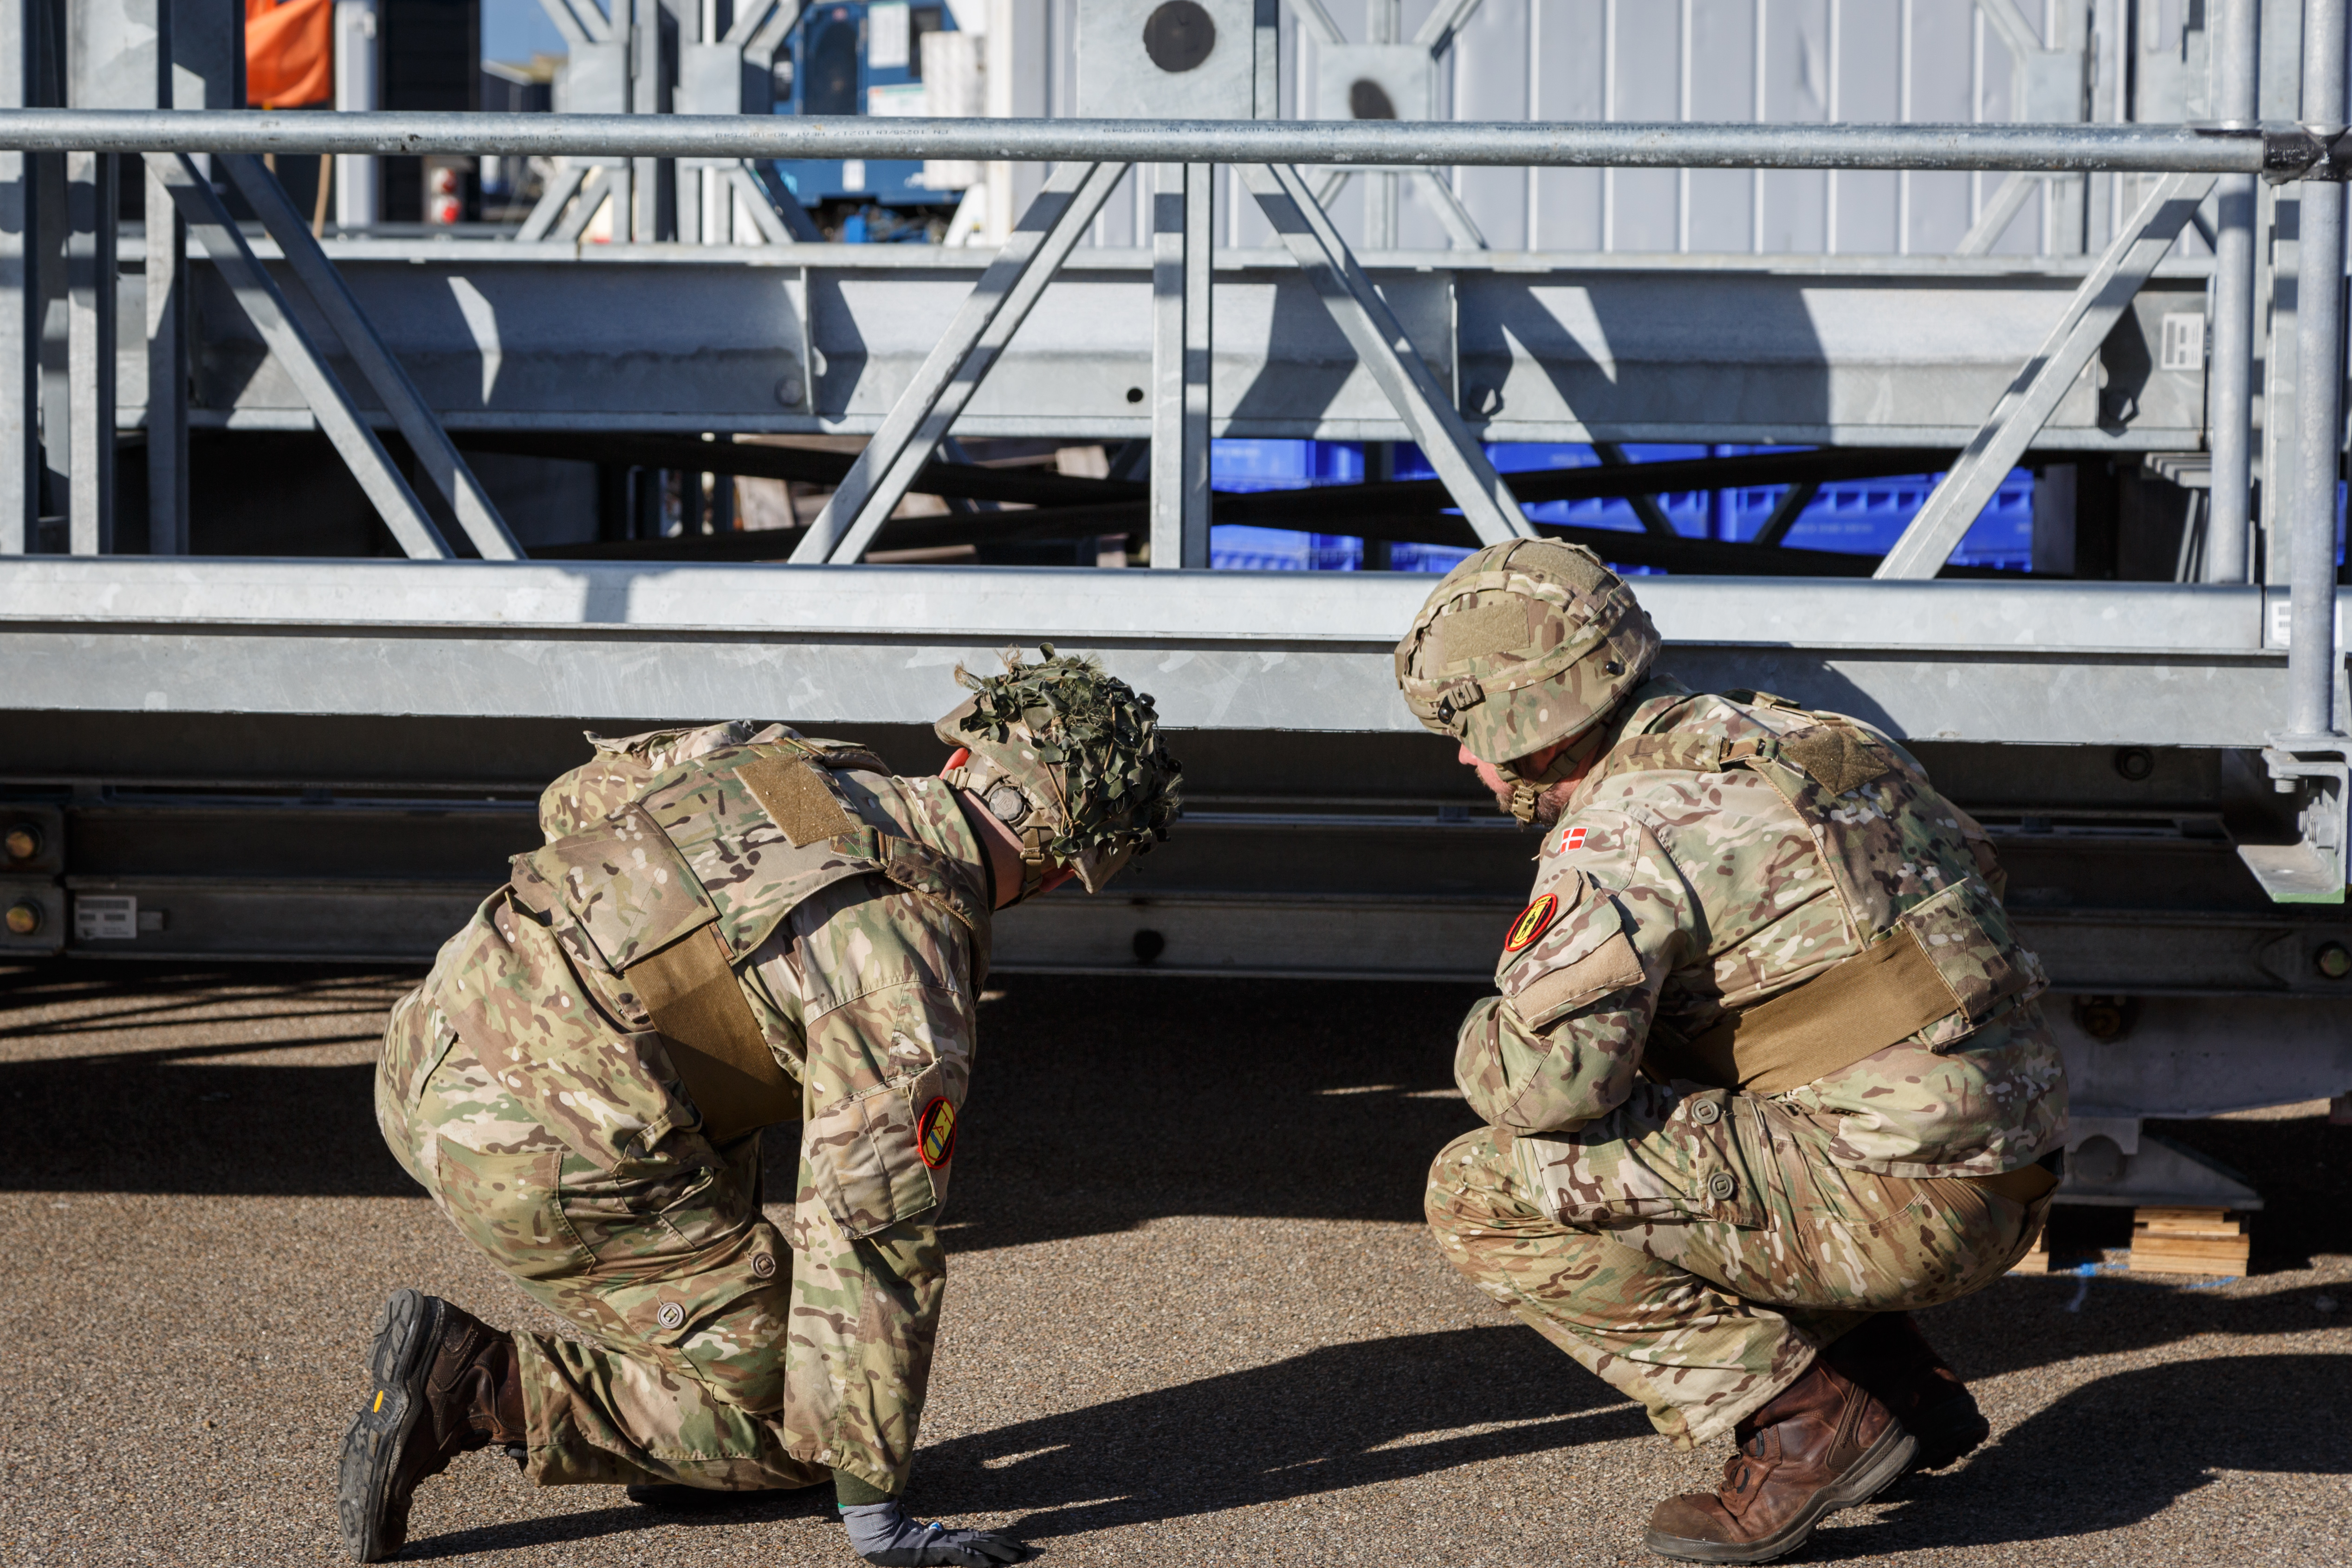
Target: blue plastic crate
x,y
1858,517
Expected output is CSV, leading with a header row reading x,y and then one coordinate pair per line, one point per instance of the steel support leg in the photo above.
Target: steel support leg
x,y
2047,377
1487,502
2313,660
90,284
20,297
476,514
210,225
167,370
989,317
1181,355
2312,757
2228,387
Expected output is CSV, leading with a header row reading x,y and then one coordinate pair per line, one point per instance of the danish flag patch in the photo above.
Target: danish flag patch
x,y
1572,838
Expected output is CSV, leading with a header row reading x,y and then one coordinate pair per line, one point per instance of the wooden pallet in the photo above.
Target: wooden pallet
x,y
2188,1241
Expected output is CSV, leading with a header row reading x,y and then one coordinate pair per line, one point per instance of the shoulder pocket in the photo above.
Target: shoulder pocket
x,y
1586,954
616,893
1966,934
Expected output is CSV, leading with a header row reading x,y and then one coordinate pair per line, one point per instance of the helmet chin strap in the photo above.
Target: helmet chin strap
x,y
1526,790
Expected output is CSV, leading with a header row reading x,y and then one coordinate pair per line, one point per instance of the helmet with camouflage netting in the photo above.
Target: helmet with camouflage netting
x,y
1524,645
1070,760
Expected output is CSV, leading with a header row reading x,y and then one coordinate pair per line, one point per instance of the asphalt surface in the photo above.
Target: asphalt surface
x,y
1192,1317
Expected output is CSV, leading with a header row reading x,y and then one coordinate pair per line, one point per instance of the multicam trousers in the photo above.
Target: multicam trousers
x,y
718,1353
1695,1250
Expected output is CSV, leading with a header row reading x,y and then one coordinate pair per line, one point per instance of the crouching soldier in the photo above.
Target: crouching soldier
x,y
1765,1071
728,930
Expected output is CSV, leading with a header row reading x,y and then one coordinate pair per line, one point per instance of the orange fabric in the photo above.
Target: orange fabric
x,y
290,53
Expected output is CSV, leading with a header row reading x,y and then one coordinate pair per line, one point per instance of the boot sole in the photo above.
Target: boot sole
x,y
375,1525
1881,1465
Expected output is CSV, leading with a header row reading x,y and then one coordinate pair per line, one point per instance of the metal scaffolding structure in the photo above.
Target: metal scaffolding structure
x,y
326,757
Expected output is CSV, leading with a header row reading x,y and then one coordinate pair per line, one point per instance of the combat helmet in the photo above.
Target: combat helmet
x,y
1524,644
1070,759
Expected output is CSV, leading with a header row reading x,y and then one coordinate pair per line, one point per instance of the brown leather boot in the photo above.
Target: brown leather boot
x,y
445,1383
1822,1444
1889,1356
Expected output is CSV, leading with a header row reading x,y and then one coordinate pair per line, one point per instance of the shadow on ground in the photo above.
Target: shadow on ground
x,y
2117,1451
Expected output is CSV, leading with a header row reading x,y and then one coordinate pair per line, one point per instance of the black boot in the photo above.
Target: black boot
x,y
445,1383
1890,1357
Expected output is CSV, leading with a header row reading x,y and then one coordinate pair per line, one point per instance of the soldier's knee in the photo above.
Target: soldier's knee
x,y
1463,1182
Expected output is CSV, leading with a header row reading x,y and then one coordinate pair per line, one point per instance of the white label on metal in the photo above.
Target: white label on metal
x,y
907,100
110,917
2283,621
887,35
2184,341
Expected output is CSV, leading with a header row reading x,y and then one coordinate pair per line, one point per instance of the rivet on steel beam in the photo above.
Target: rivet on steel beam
x,y
2333,960
23,840
24,918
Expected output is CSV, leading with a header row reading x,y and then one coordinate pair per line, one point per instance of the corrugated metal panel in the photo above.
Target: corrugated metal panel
x,y
1773,60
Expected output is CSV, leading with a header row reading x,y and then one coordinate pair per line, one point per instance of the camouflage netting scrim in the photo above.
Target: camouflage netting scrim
x,y
1081,748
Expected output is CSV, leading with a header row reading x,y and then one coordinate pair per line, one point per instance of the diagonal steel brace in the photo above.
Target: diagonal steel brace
x,y
2047,377
1487,501
210,225
983,325
476,512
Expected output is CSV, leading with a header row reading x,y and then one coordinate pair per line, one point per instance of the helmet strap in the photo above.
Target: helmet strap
x,y
1526,791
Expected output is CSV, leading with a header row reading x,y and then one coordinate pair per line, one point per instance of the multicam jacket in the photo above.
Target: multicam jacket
x,y
1723,851
841,917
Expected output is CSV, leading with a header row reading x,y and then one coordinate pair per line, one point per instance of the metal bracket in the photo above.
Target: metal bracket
x,y
2317,768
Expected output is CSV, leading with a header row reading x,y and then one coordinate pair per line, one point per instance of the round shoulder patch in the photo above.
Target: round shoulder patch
x,y
935,1131
1532,922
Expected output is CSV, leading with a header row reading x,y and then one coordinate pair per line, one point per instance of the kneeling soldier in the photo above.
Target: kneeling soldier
x,y
1766,1070
729,929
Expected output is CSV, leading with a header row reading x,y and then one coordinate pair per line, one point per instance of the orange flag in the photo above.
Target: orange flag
x,y
290,53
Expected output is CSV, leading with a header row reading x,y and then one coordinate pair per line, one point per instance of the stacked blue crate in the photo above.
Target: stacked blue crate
x,y
1856,516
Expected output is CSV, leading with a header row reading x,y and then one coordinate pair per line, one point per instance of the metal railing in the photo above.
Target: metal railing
x,y
2280,151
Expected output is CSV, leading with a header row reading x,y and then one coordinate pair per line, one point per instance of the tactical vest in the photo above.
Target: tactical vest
x,y
671,891
1938,958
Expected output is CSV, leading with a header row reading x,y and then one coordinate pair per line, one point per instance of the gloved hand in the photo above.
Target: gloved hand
x,y
884,1535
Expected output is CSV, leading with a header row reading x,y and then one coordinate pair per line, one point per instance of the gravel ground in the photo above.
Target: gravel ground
x,y
1193,1316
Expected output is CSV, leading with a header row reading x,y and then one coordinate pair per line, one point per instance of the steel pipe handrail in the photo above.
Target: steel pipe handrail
x,y
2286,151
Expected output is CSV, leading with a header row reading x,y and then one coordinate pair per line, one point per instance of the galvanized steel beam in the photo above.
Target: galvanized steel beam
x,y
211,226
976,336
2141,148
1932,535
476,512
1388,353
1181,343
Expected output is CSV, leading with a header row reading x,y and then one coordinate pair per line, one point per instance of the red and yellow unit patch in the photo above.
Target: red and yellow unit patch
x,y
1532,922
935,1131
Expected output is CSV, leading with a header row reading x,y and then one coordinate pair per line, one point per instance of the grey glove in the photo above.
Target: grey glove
x,y
885,1536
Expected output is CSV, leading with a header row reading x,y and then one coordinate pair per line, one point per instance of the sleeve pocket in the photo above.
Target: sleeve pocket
x,y
866,1156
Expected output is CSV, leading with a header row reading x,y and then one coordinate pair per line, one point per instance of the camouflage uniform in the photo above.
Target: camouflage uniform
x,y
527,1087
1691,1226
